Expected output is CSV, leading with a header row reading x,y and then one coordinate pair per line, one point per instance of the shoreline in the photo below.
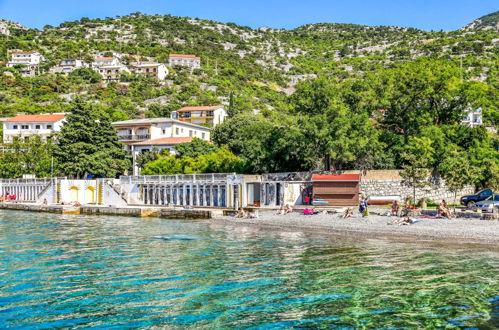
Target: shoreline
x,y
462,231
426,230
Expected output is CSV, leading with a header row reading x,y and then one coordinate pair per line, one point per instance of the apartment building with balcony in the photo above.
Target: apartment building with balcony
x,y
191,61
157,70
110,68
211,115
29,62
24,126
133,131
472,117
67,66
141,135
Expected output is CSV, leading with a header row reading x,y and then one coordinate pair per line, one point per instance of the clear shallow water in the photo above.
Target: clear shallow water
x,y
110,272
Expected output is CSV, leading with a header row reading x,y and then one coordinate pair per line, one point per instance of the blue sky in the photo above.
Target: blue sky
x,y
422,14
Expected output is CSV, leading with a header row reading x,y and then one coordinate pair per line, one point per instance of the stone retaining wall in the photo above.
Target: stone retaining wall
x,y
394,187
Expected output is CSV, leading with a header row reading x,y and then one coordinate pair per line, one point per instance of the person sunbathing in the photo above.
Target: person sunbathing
x,y
281,211
348,213
443,211
289,209
240,213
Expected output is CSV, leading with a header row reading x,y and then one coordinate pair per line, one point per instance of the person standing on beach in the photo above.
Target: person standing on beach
x,y
364,208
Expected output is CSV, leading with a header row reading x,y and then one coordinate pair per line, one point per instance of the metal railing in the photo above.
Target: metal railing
x,y
134,137
40,181
177,178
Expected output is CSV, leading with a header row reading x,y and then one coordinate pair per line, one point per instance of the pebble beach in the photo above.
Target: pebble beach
x,y
457,230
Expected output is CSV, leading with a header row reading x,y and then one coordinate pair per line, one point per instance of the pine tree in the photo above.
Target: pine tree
x,y
88,144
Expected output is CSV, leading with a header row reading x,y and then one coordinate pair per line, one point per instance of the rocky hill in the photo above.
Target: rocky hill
x,y
255,68
487,22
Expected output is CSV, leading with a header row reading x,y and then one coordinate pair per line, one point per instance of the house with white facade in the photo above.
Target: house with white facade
x,y
141,135
25,126
472,117
212,115
67,66
157,70
29,62
110,68
191,61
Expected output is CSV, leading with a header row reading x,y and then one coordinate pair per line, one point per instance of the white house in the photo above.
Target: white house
x,y
67,66
212,115
472,117
157,70
29,61
141,135
190,61
110,68
25,126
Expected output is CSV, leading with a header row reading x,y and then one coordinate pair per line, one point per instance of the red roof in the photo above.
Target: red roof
x,y
36,118
203,107
164,141
336,177
189,56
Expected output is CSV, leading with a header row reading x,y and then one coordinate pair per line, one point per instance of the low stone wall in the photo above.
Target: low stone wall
x,y
131,212
186,214
389,183
59,209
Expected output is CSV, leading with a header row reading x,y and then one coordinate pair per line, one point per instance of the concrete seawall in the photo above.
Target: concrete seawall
x,y
136,211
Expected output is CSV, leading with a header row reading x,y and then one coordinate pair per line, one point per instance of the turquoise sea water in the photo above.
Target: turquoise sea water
x,y
113,272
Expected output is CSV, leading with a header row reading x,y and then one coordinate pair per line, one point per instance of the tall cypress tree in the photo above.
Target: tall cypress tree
x,y
88,144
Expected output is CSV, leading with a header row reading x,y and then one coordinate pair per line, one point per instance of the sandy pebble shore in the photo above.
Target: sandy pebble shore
x,y
463,231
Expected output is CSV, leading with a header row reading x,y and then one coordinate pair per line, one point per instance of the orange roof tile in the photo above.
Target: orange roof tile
x,y
189,56
104,58
336,177
164,141
203,107
36,118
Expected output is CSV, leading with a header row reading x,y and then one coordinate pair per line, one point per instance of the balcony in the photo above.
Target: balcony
x,y
141,137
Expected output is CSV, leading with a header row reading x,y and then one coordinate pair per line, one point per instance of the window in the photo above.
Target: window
x,y
37,126
203,135
164,130
14,127
176,130
49,126
24,127
190,133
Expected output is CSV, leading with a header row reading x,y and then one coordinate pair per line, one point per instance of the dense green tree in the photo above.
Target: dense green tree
x,y
195,148
31,156
88,144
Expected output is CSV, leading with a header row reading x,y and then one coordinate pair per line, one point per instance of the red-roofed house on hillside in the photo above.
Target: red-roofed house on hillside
x,y
24,126
212,115
191,61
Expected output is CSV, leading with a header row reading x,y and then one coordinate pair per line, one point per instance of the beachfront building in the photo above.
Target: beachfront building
x,y
67,66
28,62
191,61
151,69
472,117
211,115
24,126
141,135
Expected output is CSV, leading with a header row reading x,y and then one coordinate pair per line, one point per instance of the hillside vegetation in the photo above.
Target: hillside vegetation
x,y
319,97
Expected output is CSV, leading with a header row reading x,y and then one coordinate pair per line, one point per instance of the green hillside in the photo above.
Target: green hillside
x,y
258,67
